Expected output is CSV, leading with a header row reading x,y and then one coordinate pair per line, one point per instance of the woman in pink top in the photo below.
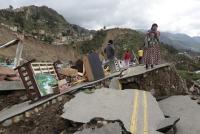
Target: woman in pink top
x,y
127,58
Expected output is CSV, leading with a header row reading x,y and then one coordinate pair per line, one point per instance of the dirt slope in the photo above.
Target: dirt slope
x,y
36,49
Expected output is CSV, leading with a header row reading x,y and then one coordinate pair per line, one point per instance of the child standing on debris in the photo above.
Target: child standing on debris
x,y
140,55
152,47
127,58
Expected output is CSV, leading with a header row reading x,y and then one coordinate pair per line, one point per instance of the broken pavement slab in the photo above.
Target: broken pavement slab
x,y
11,85
116,82
138,110
138,70
188,110
167,124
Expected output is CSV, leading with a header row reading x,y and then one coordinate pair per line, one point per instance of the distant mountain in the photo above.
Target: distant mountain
x,y
197,39
180,41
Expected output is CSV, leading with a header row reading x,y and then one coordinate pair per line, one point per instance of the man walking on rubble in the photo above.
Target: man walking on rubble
x,y
110,55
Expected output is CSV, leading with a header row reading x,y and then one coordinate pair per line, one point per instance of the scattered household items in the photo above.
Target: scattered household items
x,y
93,67
69,72
135,60
63,85
58,66
113,65
79,66
74,74
106,70
39,79
45,83
9,79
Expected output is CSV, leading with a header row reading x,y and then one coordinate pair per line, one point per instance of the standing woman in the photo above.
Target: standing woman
x,y
152,47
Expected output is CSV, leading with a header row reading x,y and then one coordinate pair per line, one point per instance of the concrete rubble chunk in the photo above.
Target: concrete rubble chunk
x,y
188,110
167,124
111,128
54,101
115,84
28,114
11,85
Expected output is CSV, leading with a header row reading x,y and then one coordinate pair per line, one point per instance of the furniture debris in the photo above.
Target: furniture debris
x,y
29,74
93,67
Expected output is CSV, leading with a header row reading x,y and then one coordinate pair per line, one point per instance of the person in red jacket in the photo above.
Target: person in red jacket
x,y
127,58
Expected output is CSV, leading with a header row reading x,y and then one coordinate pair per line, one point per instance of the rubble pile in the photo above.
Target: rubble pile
x,y
46,121
161,82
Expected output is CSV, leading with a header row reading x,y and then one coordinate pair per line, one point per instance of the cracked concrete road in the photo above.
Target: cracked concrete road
x,y
138,110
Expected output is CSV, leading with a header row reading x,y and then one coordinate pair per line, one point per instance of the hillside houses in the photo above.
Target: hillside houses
x,y
59,38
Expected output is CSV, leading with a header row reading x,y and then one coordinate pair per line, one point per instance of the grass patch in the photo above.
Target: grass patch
x,y
189,75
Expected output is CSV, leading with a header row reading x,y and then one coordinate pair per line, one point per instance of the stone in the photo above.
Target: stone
x,y
16,119
44,105
40,108
60,98
36,110
24,98
198,102
192,89
54,101
145,75
48,103
156,71
193,97
7,123
28,114
115,84
2,131
104,122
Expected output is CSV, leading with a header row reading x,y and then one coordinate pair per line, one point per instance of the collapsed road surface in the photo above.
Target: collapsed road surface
x,y
123,102
188,110
138,110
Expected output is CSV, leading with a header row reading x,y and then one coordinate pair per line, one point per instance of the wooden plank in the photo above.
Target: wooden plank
x,y
42,63
42,67
44,71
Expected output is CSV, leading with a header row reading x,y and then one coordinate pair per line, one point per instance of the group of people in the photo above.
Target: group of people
x,y
148,55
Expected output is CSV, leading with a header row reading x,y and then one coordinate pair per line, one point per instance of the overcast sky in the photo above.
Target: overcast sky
x,y
171,15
